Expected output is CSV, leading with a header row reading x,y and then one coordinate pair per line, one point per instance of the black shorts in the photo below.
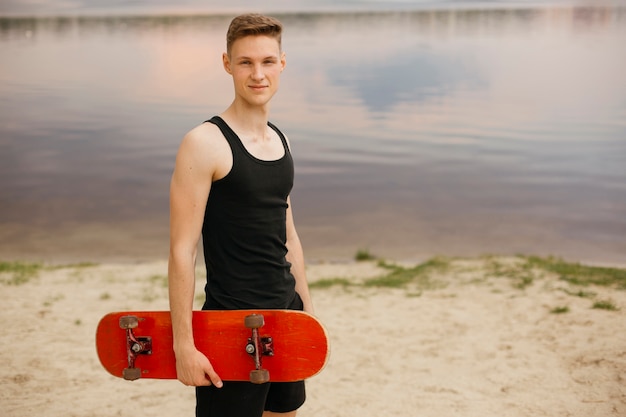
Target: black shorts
x,y
245,399
237,399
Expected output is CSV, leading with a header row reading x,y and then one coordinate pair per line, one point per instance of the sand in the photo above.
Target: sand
x,y
463,343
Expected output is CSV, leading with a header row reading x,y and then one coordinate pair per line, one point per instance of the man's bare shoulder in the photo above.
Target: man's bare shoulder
x,y
205,135
204,146
205,140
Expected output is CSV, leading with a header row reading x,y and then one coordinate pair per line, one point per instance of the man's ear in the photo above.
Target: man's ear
x,y
283,61
226,63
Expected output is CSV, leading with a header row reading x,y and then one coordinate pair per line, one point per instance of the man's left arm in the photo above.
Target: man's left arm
x,y
295,256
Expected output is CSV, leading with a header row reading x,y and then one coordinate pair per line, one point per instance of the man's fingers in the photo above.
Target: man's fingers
x,y
204,382
214,378
195,370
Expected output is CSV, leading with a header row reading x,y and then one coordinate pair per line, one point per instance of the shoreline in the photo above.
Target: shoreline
x,y
143,243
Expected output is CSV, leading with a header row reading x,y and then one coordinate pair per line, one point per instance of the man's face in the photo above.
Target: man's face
x,y
255,62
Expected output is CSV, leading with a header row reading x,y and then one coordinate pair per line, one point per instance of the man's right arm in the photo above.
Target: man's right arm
x,y
189,190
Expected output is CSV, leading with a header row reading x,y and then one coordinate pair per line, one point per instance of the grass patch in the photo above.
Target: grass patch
x,y
396,277
560,310
79,265
605,305
524,281
520,272
330,282
582,275
580,293
399,276
18,273
363,255
524,272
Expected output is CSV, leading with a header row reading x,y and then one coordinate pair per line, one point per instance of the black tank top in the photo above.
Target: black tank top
x,y
244,231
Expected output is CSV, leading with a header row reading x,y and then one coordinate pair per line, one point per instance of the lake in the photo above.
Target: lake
x,y
431,131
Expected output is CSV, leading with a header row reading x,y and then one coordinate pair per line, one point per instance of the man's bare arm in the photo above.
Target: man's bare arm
x,y
295,255
189,190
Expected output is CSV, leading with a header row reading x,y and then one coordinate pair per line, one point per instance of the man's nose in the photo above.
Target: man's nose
x,y
258,73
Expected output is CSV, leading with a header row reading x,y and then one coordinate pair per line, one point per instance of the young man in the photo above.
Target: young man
x,y
231,185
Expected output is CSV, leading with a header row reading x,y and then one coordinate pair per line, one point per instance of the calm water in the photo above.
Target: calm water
x,y
456,132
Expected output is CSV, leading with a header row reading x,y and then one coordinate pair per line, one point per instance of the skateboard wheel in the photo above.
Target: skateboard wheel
x,y
254,321
131,374
259,376
128,322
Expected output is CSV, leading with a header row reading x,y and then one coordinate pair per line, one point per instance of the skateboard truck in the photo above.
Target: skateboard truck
x,y
134,346
258,347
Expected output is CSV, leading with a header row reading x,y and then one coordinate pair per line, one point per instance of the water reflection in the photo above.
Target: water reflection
x,y
418,77
455,132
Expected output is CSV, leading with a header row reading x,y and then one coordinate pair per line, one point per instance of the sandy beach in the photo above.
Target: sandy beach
x,y
477,337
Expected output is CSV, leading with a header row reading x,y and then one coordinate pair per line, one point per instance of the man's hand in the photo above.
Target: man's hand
x,y
194,369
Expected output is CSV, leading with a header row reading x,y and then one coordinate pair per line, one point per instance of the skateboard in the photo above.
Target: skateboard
x,y
243,345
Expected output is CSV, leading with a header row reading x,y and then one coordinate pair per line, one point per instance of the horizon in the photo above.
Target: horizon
x,y
13,9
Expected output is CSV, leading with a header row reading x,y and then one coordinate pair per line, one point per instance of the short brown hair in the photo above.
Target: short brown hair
x,y
253,24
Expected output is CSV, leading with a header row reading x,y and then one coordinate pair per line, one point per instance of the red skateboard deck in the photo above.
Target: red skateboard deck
x,y
242,345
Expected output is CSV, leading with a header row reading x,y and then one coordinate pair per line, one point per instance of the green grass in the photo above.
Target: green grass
x,y
363,255
573,273
525,271
560,310
330,282
79,265
521,272
399,276
18,273
580,293
583,275
605,305
396,276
